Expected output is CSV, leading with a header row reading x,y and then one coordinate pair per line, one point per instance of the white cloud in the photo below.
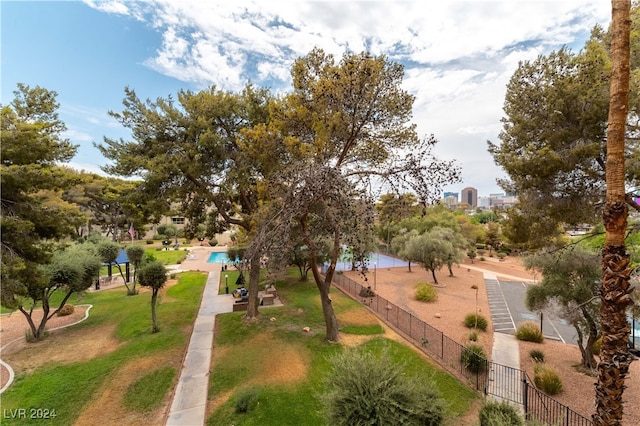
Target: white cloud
x,y
459,55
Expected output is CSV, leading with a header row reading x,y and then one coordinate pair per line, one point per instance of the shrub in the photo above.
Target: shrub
x,y
67,309
502,255
536,355
482,258
246,400
473,358
499,414
426,293
366,389
546,379
476,321
213,242
529,331
473,336
149,241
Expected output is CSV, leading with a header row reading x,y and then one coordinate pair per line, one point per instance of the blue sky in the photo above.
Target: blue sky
x,y
458,56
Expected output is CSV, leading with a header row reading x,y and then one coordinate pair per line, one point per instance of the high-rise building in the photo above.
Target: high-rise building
x,y
451,194
470,196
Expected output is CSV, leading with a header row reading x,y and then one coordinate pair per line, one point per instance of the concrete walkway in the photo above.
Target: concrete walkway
x,y
505,377
190,398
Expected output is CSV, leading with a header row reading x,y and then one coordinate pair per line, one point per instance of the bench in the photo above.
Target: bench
x,y
240,306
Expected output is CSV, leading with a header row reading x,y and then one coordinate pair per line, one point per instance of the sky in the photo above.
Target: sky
x,y
458,57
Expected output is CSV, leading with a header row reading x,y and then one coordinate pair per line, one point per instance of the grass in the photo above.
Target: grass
x,y
147,393
249,350
69,388
246,353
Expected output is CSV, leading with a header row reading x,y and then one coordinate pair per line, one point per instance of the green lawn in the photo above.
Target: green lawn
x,y
251,349
68,388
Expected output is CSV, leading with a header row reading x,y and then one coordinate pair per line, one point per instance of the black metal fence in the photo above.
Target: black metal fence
x,y
507,383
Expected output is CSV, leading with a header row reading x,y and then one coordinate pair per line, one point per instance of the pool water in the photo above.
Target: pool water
x,y
376,260
219,257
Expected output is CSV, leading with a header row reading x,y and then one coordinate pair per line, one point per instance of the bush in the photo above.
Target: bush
x,y
149,241
67,309
426,293
529,331
246,400
366,389
476,321
536,355
473,358
499,414
213,242
473,336
597,346
546,379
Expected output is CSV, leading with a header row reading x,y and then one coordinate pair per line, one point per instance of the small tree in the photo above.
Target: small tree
x,y
135,255
430,251
571,280
153,275
72,270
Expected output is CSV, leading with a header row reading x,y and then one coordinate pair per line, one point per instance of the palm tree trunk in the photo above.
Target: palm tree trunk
x,y
614,291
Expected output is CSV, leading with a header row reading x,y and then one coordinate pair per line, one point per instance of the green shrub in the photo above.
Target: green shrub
x,y
426,293
246,400
366,389
546,379
474,359
149,241
67,309
213,242
476,321
529,331
473,336
482,258
499,414
536,355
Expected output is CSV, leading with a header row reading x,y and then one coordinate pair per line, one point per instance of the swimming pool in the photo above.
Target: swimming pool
x,y
219,257
376,260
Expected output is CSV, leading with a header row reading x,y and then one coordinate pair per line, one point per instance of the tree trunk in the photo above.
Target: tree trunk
x,y
433,274
254,282
324,285
614,292
154,298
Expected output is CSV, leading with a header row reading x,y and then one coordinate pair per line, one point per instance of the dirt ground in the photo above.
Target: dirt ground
x,y
456,298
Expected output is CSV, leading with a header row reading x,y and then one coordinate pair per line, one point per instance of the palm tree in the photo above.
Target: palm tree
x,y
615,289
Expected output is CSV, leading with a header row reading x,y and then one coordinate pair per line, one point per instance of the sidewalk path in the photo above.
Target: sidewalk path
x,y
190,398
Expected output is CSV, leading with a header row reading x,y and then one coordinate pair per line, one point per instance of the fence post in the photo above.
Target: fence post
x,y
525,397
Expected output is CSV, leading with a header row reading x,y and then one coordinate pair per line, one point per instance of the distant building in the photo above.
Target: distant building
x,y
451,194
470,196
451,201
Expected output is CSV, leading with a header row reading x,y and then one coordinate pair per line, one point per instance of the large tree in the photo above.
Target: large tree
x,y
346,126
615,292
188,152
33,213
554,137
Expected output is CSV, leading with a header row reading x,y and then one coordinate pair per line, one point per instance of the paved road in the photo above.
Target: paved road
x,y
508,311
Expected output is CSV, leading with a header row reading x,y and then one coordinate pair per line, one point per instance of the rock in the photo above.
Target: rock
x,y
272,319
437,315
306,329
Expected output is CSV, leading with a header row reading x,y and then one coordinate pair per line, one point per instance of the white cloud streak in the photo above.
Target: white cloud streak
x,y
458,55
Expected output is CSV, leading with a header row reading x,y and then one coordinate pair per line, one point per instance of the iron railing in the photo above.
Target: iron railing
x,y
497,380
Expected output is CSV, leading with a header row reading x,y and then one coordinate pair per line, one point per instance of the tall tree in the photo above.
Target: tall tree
x,y
343,124
33,215
189,152
615,292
